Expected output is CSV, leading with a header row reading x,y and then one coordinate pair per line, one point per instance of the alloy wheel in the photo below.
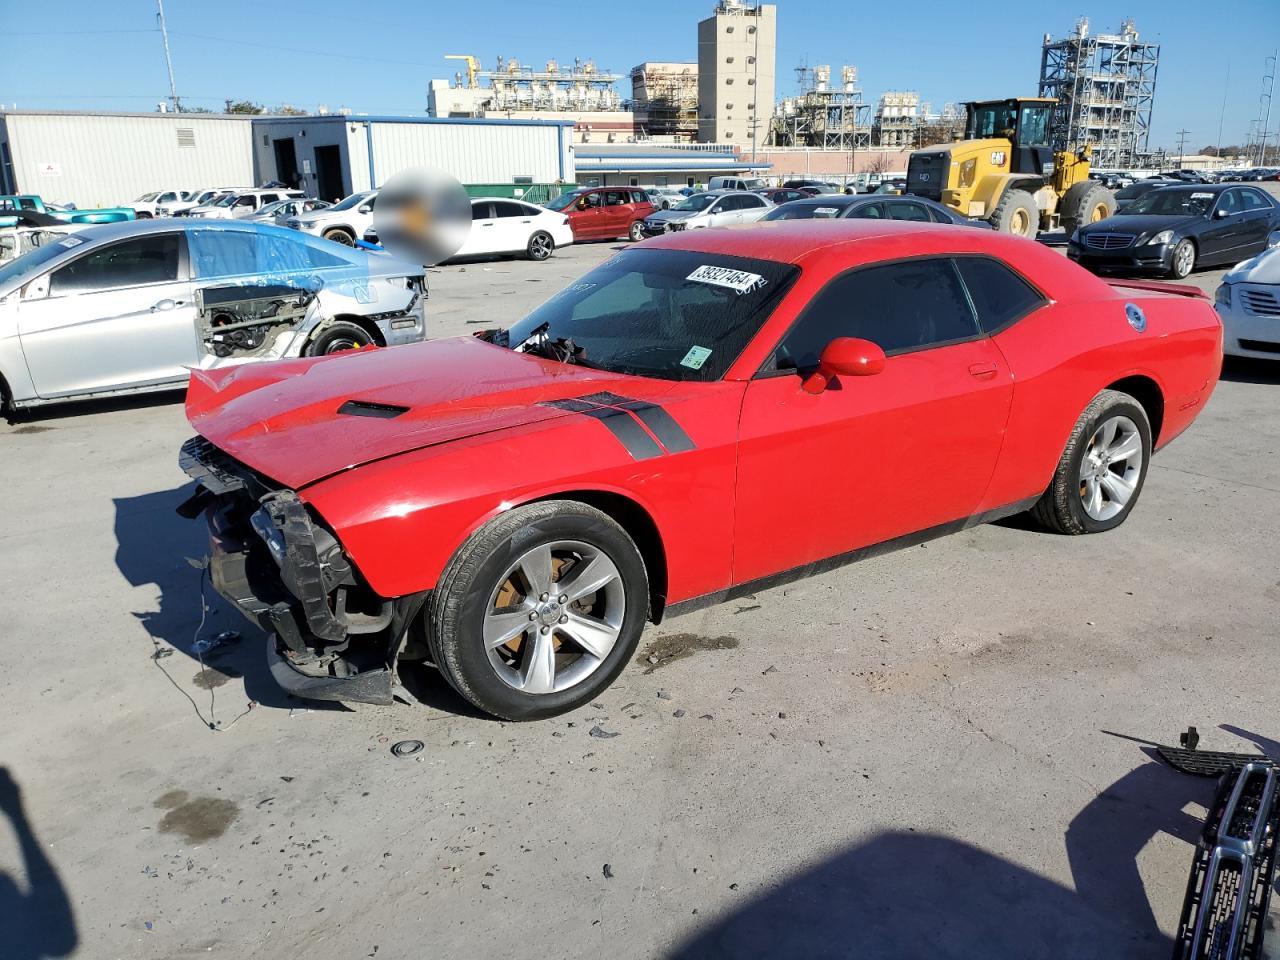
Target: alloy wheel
x,y
1110,468
1184,259
554,617
541,246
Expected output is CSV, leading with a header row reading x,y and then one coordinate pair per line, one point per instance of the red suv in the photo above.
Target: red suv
x,y
605,213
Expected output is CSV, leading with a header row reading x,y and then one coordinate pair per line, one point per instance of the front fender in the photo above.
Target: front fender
x,y
400,519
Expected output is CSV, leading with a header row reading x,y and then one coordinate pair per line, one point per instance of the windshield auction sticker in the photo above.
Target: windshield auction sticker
x,y
696,356
737,280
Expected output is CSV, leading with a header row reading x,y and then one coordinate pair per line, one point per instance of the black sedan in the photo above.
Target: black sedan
x,y
870,207
1173,230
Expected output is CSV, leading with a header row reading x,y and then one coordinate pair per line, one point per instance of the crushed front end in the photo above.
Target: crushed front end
x,y
331,637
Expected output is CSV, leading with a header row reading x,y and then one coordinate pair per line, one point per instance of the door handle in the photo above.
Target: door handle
x,y
164,305
983,371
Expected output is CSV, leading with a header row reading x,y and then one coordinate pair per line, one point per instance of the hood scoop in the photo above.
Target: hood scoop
x,y
368,408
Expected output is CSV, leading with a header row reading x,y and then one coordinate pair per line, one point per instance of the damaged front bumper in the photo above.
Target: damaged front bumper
x,y
332,638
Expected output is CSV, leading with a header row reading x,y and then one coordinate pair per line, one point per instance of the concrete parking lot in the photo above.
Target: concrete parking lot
x,y
930,753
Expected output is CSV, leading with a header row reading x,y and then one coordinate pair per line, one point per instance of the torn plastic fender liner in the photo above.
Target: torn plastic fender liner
x,y
343,679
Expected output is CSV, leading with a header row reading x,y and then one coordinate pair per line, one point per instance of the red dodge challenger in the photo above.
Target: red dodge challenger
x,y
706,414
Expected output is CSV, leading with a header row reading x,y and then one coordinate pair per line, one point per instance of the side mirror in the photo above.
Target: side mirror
x,y
1220,214
366,208
845,357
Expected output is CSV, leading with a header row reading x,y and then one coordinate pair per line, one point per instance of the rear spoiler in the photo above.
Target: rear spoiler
x,y
1155,286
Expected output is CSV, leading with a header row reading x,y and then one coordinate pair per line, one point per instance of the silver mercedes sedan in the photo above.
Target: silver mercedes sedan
x,y
132,307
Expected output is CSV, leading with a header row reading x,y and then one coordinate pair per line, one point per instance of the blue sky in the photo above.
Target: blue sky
x,y
376,57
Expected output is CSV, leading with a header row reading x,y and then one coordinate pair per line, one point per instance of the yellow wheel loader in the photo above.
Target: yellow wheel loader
x,y
1006,172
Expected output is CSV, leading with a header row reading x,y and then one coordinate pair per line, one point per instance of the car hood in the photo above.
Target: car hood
x,y
1264,268
665,215
1139,223
282,419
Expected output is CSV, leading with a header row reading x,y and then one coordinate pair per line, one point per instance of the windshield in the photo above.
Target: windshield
x,y
1173,203
225,201
562,201
272,208
699,201
146,198
31,262
798,210
352,201
1133,190
991,120
670,314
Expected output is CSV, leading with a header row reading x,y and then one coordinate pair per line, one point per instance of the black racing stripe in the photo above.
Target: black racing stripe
x,y
662,425
621,424
606,398
639,444
573,406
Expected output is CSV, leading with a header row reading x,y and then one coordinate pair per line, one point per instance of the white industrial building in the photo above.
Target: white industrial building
x,y
335,156
103,159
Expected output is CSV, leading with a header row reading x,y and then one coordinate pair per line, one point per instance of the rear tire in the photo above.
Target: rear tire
x,y
540,246
338,235
484,592
339,337
1095,475
1016,214
1084,203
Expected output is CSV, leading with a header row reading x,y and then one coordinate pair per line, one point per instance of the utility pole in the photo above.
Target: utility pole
x,y
1266,120
1182,144
1221,116
168,61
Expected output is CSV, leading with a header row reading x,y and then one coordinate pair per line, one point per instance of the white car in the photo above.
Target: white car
x,y
195,198
1248,302
664,198
500,225
715,208
280,211
150,204
344,222
238,206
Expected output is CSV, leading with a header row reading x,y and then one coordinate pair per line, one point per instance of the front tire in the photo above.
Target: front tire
x,y
1016,214
338,235
1084,203
539,611
1183,260
1100,475
636,233
540,246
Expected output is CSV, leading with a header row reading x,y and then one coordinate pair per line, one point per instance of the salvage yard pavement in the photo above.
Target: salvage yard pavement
x,y
923,754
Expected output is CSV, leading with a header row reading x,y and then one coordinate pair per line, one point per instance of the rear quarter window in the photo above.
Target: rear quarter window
x,y
1000,296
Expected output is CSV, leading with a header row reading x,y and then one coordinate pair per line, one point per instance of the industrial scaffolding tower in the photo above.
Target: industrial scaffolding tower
x,y
833,118
1106,87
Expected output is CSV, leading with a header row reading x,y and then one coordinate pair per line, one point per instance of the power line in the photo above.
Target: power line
x,y
328,54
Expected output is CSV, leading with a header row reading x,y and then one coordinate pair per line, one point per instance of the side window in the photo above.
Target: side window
x,y
939,216
868,211
1253,200
751,202
130,263
232,253
639,196
614,198
907,211
268,198
166,198
505,208
482,211
593,200
899,306
245,202
1229,202
999,295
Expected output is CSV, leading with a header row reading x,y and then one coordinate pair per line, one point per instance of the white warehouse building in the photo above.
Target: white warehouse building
x,y
104,159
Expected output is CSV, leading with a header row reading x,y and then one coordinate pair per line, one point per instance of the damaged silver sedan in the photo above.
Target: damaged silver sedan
x,y
132,307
